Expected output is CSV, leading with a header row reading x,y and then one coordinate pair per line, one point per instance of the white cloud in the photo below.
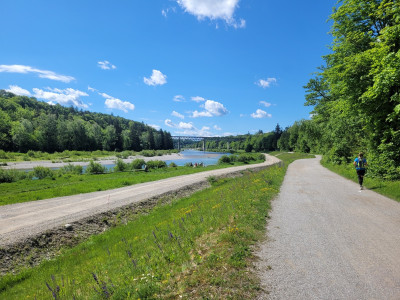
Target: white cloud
x,y
197,114
65,97
266,104
15,89
264,83
216,127
178,115
181,125
91,89
156,127
157,78
188,128
42,73
213,9
260,114
198,99
112,103
212,109
106,65
166,11
179,98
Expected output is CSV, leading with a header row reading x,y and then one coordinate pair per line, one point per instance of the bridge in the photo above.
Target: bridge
x,y
193,138
202,138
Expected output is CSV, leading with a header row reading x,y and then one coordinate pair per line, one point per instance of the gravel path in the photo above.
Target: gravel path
x,y
328,240
21,221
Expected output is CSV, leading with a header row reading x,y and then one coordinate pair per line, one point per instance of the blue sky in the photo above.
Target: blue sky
x,y
192,67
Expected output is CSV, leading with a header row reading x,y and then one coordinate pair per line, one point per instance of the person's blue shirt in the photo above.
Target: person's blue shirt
x,y
360,163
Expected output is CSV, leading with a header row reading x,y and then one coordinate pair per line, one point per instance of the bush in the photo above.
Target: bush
x,y
11,175
120,166
95,168
156,164
173,165
42,172
137,164
3,154
148,153
188,164
71,169
224,159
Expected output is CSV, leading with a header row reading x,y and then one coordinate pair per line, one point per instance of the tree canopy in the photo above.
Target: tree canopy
x,y
356,94
27,124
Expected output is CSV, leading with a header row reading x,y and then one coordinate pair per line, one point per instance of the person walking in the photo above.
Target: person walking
x,y
360,163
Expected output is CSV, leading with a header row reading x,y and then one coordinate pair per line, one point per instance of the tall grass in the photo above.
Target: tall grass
x,y
388,188
194,248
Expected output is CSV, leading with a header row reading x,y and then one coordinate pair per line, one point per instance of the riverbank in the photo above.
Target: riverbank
x,y
29,165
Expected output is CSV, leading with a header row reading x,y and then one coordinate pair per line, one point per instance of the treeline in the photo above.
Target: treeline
x,y
259,142
27,124
356,94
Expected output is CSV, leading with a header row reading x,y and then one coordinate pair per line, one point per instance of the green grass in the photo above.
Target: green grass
x,y
73,155
387,188
31,190
197,247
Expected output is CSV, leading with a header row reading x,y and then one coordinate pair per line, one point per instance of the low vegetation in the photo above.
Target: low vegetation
x,y
44,183
389,188
194,248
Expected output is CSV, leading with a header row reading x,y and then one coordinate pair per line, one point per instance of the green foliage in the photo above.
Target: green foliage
x,y
137,164
71,169
120,166
27,124
356,95
172,165
95,168
7,176
156,164
170,251
224,159
42,172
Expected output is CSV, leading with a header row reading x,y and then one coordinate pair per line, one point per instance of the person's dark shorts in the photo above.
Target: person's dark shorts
x,y
361,172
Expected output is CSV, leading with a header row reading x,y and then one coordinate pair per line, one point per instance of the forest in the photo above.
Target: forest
x,y
355,95
258,142
28,124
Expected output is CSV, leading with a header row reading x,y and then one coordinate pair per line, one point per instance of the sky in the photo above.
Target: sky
x,y
191,67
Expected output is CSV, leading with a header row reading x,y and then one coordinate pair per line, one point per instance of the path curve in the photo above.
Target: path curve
x,y
23,220
328,240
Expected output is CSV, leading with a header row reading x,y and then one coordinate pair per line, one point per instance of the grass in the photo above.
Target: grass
x,y
387,188
70,184
197,247
73,155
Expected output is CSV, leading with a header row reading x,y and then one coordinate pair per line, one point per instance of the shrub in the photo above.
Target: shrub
x,y
3,154
173,165
148,153
71,169
188,164
42,172
95,168
224,159
120,166
137,164
156,164
12,175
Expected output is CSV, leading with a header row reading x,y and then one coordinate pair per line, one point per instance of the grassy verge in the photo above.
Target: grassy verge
x,y
196,247
390,189
71,184
73,155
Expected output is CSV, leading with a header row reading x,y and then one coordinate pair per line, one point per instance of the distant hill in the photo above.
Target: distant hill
x,y
28,124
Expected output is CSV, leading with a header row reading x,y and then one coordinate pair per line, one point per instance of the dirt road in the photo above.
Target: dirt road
x,y
328,240
21,221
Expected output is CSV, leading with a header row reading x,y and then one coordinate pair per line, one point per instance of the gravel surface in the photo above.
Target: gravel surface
x,y
328,240
24,220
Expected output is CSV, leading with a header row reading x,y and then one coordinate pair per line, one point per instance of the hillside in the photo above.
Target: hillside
x,y
28,124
